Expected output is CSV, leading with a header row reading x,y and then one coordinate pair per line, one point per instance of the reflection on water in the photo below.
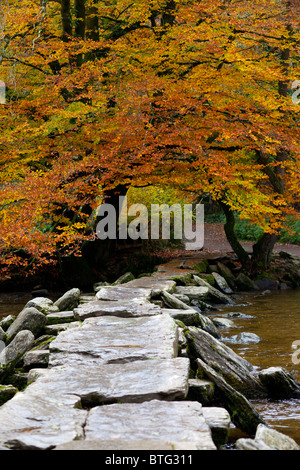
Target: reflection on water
x,y
275,318
13,302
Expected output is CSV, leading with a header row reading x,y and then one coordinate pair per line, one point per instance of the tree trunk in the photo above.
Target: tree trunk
x,y
66,20
232,238
262,252
105,249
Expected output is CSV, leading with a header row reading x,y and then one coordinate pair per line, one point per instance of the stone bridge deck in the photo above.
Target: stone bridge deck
x,y
114,381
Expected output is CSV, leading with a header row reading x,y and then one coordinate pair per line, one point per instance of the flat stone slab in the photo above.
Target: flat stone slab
x,y
126,309
33,422
123,293
188,317
149,282
138,381
59,317
193,292
143,444
114,339
182,422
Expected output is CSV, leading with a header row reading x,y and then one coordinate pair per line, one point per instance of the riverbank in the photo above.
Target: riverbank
x,y
145,338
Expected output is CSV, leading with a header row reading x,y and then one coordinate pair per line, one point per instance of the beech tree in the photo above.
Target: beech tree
x,y
105,95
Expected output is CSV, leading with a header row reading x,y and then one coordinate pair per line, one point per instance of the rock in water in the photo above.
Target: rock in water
x,y
279,383
233,368
213,292
69,300
222,284
243,415
267,439
29,319
11,354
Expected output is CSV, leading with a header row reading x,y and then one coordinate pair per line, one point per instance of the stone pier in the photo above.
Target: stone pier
x,y
114,380
135,365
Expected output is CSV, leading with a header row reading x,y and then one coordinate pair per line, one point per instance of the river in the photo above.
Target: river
x,y
274,317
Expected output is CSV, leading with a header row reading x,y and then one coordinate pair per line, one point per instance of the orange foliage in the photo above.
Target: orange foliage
x,y
183,93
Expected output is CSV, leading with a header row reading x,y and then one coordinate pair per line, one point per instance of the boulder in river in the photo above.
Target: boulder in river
x,y
244,338
11,354
28,319
203,321
43,304
213,292
267,439
222,284
280,383
69,300
233,368
243,415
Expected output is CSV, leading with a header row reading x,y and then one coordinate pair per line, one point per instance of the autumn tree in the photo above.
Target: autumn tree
x,y
105,95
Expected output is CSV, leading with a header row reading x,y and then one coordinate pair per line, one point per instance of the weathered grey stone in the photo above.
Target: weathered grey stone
x,y
181,422
18,379
126,309
37,358
124,278
60,317
192,317
244,338
69,300
6,393
127,444
279,383
11,354
87,298
213,292
244,282
193,292
267,438
265,283
3,335
219,422
238,315
201,391
251,444
43,304
243,415
54,330
98,383
275,439
120,339
227,274
34,422
188,317
223,322
17,348
200,304
171,301
98,285
233,368
122,293
156,285
43,342
34,374
222,284
183,298
7,321
29,319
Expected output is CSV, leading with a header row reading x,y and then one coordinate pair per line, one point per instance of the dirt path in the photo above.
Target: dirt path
x,y
215,241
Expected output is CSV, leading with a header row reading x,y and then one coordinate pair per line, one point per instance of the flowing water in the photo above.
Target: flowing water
x,y
274,317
